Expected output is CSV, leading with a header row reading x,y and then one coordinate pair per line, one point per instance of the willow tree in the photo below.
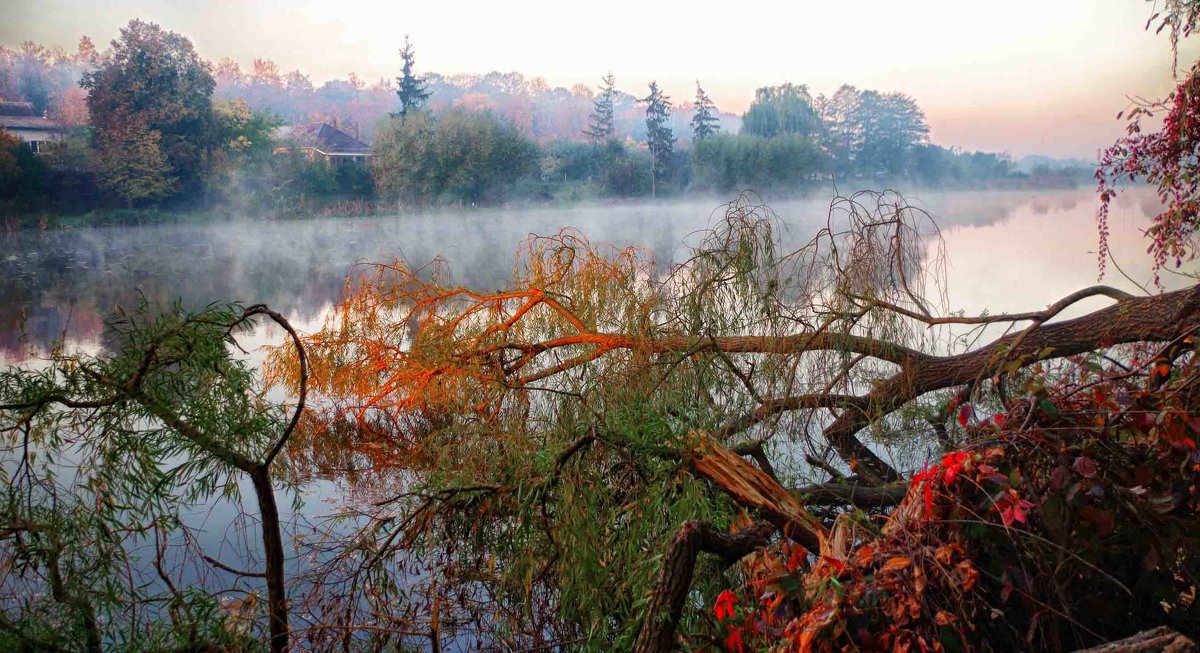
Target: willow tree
x,y
111,451
571,443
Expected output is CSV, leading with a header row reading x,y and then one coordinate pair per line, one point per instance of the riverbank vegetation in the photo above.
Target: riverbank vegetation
x,y
149,124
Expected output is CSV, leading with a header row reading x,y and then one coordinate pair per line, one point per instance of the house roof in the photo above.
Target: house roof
x,y
18,109
24,122
330,139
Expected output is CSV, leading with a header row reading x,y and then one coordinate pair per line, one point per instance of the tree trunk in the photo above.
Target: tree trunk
x,y
754,489
1159,318
657,634
272,538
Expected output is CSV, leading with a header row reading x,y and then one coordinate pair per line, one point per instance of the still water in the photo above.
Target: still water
x,y
1007,251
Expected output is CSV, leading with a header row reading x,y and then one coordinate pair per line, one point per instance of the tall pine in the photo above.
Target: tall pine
x,y
705,122
600,124
659,136
410,89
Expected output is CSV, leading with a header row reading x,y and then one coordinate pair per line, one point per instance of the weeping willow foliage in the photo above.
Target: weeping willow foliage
x,y
536,433
104,456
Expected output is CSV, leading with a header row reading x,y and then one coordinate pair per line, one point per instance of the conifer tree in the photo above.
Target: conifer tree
x,y
600,124
659,136
410,89
705,122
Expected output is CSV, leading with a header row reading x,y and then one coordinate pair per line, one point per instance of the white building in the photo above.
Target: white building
x,y
20,119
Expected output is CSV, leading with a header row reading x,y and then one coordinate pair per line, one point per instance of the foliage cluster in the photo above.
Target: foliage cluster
x,y
1166,159
1069,518
110,454
455,157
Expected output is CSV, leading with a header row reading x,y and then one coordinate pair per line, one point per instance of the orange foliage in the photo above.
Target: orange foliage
x,y
400,344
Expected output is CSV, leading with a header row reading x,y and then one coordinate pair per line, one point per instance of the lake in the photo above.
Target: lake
x,y
1007,251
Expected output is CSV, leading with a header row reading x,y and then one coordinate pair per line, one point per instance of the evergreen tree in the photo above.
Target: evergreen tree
x,y
658,133
410,89
600,124
705,123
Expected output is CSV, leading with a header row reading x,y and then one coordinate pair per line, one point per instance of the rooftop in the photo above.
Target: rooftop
x,y
331,139
24,122
17,109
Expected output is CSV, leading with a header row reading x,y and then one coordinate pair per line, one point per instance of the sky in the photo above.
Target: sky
x,y
1023,77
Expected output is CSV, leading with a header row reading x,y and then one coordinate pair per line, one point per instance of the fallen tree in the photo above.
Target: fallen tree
x,y
600,410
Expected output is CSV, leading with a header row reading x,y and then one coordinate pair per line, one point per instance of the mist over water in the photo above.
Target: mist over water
x,y
1006,251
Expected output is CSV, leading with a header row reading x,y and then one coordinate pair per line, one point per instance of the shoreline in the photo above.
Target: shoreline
x,y
358,208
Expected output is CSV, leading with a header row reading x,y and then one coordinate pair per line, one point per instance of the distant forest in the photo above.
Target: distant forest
x,y
197,134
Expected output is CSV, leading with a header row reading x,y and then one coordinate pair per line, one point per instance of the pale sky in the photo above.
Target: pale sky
x,y
1025,77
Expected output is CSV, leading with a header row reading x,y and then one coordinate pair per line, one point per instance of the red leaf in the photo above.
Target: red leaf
x,y
953,463
734,642
964,415
724,605
837,565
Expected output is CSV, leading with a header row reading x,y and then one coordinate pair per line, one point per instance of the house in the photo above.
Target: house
x,y
326,141
21,120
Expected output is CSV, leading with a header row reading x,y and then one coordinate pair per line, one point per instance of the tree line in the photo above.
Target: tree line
x,y
151,123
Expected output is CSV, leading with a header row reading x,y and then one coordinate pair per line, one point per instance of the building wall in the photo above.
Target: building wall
x,y
35,137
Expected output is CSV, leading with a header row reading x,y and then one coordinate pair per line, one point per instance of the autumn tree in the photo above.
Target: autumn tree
x,y
152,80
70,108
458,156
130,164
704,122
600,123
239,130
86,53
410,89
659,136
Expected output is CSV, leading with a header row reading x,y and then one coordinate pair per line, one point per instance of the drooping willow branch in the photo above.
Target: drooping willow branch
x,y
167,371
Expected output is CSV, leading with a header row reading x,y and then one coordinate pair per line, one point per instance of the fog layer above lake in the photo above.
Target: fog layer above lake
x,y
1007,251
